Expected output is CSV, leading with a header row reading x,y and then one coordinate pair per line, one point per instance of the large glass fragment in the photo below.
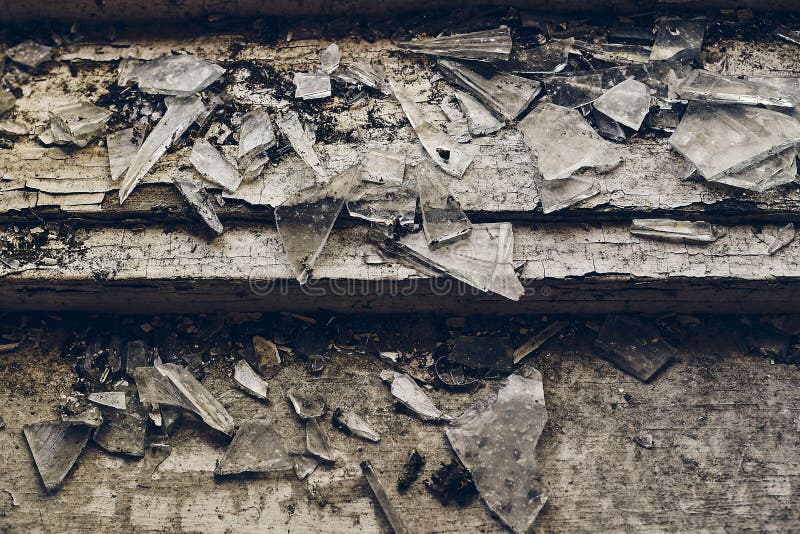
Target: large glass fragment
x,y
440,147
124,431
305,220
777,170
626,103
496,441
177,75
574,91
565,143
483,352
676,35
413,397
488,45
256,136
398,527
443,220
306,407
721,139
317,443
213,166
312,85
711,87
329,58
505,94
634,345
479,119
197,197
247,379
383,167
353,424
548,58
79,123
122,147
386,204
30,53
289,124
55,446
173,385
180,114
256,448
360,73
672,230
483,260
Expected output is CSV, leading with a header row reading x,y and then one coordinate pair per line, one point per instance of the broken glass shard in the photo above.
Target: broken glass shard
x,y
177,75
304,466
55,446
213,166
721,139
488,45
626,103
383,167
565,143
606,127
783,237
197,197
268,358
317,443
122,147
479,119
79,123
443,220
359,73
289,124
110,399
307,407
413,397
157,450
777,170
353,424
389,511
256,137
312,85
383,204
624,54
329,58
91,416
788,34
676,35
483,352
136,356
496,441
124,431
180,114
457,125
13,128
574,91
30,53
716,88
7,102
248,380
305,221
173,385
548,58
672,230
483,260
441,147
505,94
256,448
634,345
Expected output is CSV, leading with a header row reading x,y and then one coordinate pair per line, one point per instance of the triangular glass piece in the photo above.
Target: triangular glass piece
x,y
716,88
55,446
480,120
626,103
317,442
198,198
412,396
488,45
256,448
213,166
443,220
505,94
305,221
672,230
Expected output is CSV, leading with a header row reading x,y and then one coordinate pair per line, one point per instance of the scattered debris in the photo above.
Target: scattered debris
x,y
411,470
197,196
671,230
305,220
634,345
489,45
290,126
496,441
353,424
483,352
678,36
312,85
452,483
175,74
574,91
213,166
538,340
765,340
413,397
443,220
30,53
383,499
307,407
715,88
256,448
317,442
110,399
268,358
55,446
626,103
248,380
7,102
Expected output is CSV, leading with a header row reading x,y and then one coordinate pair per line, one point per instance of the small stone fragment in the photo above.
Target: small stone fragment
x,y
644,439
307,407
256,448
248,380
443,220
634,345
312,85
329,58
55,446
30,53
267,355
213,166
353,424
672,230
411,470
626,103
317,443
413,397
488,45
383,499
110,399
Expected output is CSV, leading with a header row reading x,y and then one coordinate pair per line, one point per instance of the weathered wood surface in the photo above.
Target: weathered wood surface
x,y
564,268
726,454
499,186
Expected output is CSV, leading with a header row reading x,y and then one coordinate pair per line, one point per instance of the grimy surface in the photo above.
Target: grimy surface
x,y
726,452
